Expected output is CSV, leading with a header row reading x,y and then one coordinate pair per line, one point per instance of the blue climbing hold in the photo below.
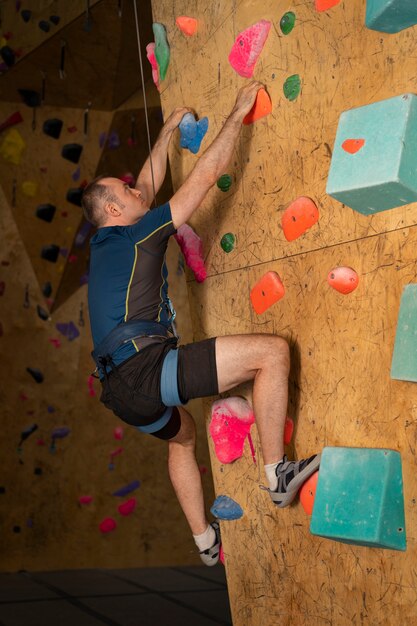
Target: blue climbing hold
x,y
226,508
192,132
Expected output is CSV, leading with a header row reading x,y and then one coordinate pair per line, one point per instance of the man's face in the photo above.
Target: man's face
x,y
130,201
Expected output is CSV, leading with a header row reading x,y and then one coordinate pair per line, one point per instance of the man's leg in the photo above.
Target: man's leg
x,y
186,480
185,475
266,360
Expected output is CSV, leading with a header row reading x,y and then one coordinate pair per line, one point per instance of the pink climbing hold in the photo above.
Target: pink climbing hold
x,y
118,433
85,499
221,555
192,249
150,53
247,48
107,525
126,508
231,420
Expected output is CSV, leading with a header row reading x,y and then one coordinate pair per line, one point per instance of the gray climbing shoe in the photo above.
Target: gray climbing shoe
x,y
291,476
211,556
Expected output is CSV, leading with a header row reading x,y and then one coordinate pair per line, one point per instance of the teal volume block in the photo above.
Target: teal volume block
x,y
390,16
404,358
359,498
382,172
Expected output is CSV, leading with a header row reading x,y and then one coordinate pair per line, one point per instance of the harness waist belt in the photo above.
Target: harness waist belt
x,y
123,333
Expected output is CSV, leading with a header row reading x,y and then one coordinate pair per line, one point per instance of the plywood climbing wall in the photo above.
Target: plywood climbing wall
x,y
341,393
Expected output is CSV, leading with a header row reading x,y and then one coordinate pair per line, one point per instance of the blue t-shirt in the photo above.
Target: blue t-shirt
x,y
128,275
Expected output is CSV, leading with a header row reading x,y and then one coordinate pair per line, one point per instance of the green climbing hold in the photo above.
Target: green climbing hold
x,y
287,22
228,242
161,48
225,182
292,87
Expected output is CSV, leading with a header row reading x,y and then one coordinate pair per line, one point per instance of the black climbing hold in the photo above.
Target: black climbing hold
x,y
26,15
8,55
36,374
55,19
72,152
16,529
74,195
30,97
44,315
52,128
50,253
47,290
37,471
44,25
46,212
2,489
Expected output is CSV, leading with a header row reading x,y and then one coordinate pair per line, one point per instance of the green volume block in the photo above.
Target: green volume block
x,y
359,498
404,359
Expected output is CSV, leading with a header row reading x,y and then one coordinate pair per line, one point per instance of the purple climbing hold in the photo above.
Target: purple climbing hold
x,y
113,141
123,491
61,432
70,331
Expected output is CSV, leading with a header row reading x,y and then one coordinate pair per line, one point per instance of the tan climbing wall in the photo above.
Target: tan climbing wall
x,y
340,388
43,524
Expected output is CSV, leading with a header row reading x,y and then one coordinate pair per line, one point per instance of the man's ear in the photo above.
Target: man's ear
x,y
112,209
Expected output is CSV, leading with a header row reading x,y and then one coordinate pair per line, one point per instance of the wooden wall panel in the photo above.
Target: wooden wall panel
x,y
340,388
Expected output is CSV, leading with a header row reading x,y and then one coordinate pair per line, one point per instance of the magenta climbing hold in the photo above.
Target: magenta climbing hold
x,y
150,53
231,420
107,525
343,279
126,508
247,48
192,249
85,499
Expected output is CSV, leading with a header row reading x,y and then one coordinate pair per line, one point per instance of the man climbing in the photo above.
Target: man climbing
x,y
146,378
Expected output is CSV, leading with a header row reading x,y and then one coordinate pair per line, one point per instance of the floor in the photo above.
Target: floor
x,y
177,596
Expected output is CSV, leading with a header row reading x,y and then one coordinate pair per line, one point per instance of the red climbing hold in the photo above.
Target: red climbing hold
x,y
353,145
288,430
301,215
261,108
187,25
308,493
324,5
268,290
343,279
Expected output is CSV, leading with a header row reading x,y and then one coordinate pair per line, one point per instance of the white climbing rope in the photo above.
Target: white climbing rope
x,y
144,97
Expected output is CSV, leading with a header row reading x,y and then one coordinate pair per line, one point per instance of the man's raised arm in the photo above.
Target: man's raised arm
x,y
212,164
159,155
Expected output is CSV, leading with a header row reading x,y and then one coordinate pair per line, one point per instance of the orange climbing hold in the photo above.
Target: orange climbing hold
x,y
308,493
353,145
324,5
301,215
266,292
262,107
187,25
